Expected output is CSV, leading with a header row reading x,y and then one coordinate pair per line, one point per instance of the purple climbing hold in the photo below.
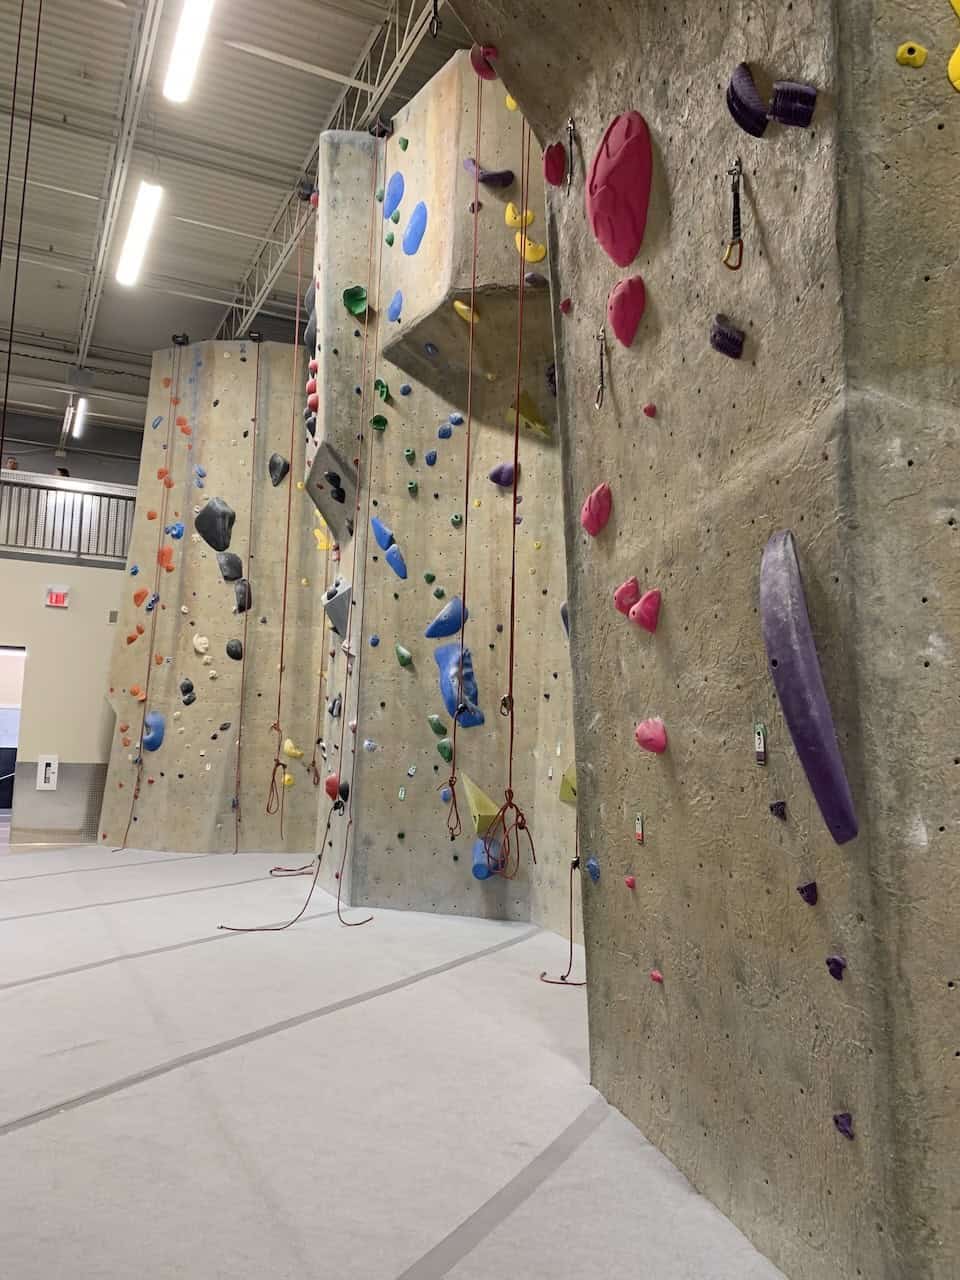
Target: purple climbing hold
x,y
501,178
793,103
844,1122
502,475
779,809
448,621
430,457
445,432
383,535
396,561
534,280
726,338
808,892
836,966
745,104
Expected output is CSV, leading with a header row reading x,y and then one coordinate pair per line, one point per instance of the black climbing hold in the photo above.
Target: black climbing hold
x,y
344,790
225,726
243,594
278,467
726,338
793,103
310,333
779,809
214,523
808,892
234,650
335,706
189,699
186,686
338,495
333,478
551,374
180,339
565,617
231,566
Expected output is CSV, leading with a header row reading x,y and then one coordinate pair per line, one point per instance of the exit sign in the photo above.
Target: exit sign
x,y
58,597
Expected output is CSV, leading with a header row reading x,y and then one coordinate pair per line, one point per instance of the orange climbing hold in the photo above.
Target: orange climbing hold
x,y
186,431
151,515
167,381
140,596
181,422
139,628
168,482
162,473
158,659
126,742
123,727
174,399
138,693
131,637
165,559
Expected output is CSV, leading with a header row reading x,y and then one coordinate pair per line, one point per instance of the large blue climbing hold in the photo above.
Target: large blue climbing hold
x,y
416,229
383,535
467,713
445,432
486,862
396,561
430,457
395,307
393,195
154,725
448,621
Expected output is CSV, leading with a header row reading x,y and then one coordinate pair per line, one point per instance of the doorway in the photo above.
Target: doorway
x,y
12,661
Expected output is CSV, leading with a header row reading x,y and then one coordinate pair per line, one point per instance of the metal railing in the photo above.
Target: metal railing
x,y
59,518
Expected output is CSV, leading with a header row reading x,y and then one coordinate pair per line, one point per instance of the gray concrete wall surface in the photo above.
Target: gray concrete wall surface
x,y
837,424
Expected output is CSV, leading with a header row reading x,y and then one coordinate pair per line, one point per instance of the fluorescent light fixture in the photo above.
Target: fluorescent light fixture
x,y
138,233
187,47
79,417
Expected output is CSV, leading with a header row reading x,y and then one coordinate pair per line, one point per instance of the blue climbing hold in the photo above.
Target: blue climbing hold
x,y
156,422
405,388
395,307
467,714
416,229
374,641
593,869
486,862
383,535
430,457
456,419
174,531
448,621
446,795
396,561
393,195
154,725
134,570
445,432
201,472
152,603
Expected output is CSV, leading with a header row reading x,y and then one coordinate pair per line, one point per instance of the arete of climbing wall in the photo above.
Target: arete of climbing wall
x,y
413,420
773,1001
202,612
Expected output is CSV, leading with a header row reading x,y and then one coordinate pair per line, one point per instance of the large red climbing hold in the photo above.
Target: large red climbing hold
x,y
627,595
596,509
480,60
311,386
651,735
625,308
555,164
618,187
313,402
646,612
331,785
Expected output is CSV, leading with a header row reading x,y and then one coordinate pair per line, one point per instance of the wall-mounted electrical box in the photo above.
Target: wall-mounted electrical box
x,y
47,768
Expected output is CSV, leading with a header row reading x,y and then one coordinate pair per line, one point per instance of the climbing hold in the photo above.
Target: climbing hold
x,y
630,881
618,187
779,809
555,164
311,387
795,670
175,530
278,467
445,795
646,612
234,650
448,621
808,892
431,349
201,644
487,859
396,561
374,641
381,389
378,422
625,307
458,685
792,103
465,313
568,785
395,307
439,592
532,250
393,195
405,388
844,1122
744,102
483,810
165,559
335,706
188,700
445,747
530,417
836,966
288,779
437,725
186,686
480,56
214,523
395,216
132,637
369,744
413,488
565,617
404,656
502,475
650,410
456,519
651,735
355,300
430,457
726,338
656,976
337,602
627,595
456,419
534,280
444,432
134,570
151,515
379,195
313,366
429,577
593,870
403,143
331,785
138,693
231,566
510,103
313,403
389,239
493,178
243,595
566,306
596,509
410,455
911,54
154,727
514,218
291,750
140,596
416,229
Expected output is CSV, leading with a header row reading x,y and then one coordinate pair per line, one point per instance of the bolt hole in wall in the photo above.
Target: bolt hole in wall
x,y
12,661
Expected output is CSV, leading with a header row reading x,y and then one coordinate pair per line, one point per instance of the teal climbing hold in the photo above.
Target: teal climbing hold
x,y
413,488
404,656
437,725
429,577
456,519
410,455
378,422
445,747
439,592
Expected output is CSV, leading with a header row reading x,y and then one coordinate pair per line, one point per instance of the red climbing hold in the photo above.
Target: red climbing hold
x,y
480,55
618,187
627,595
313,366
313,402
651,735
566,306
650,410
165,558
140,596
311,386
331,785
162,473
140,628
656,976
132,638
625,308
646,612
555,164
630,881
151,515
596,509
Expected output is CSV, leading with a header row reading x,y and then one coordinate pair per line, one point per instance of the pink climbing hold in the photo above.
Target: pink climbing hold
x,y
480,56
555,164
313,366
651,735
618,187
650,410
646,612
311,386
331,785
625,308
627,595
596,509
313,402
630,881
566,306
656,976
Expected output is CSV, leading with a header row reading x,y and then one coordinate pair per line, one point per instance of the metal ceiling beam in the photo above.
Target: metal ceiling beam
x,y
383,60
130,398
140,59
61,355
322,73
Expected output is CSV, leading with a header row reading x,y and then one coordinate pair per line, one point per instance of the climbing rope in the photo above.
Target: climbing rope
x,y
574,867
454,825
279,928
13,120
502,840
321,682
237,790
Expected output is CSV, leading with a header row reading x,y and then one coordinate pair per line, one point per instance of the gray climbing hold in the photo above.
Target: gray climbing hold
x,y
231,566
234,650
336,605
244,595
278,467
214,523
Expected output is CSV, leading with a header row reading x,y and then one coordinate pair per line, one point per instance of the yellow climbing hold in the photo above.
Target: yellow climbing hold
x,y
537,546
568,785
953,66
477,502
292,750
511,103
464,312
322,535
529,417
514,218
482,808
304,582
533,251
300,485
288,779
911,54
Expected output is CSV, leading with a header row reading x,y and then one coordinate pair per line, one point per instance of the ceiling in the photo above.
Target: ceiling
x,y
229,160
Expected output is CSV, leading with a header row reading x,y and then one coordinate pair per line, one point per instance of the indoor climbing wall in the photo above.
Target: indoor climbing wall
x,y
773,994
416,275
195,678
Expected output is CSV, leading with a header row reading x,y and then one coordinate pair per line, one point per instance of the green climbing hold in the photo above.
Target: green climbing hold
x,y
456,519
404,656
381,388
395,216
437,725
403,143
389,237
429,577
378,422
412,488
445,747
410,455
355,300
380,195
439,592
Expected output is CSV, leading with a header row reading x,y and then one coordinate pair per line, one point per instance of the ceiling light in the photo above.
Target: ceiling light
x,y
138,233
187,46
79,417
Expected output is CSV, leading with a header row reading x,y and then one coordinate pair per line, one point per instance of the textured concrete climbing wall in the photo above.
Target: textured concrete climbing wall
x,y
212,393
835,425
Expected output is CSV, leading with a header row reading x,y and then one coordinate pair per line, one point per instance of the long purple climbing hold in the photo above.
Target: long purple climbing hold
x,y
795,669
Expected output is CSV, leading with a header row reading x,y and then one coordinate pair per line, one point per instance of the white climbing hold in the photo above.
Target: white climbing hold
x,y
201,644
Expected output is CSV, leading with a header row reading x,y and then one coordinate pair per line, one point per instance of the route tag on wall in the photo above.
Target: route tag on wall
x,y
760,742
638,828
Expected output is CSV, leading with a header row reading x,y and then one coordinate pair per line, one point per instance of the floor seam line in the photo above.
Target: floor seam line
x,y
147,897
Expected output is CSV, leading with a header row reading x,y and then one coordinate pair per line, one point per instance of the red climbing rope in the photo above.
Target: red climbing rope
x,y
454,825
279,928
502,840
574,867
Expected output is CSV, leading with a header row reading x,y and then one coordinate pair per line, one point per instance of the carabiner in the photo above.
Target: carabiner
x,y
733,254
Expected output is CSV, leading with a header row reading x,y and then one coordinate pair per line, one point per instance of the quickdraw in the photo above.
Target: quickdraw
x,y
733,254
